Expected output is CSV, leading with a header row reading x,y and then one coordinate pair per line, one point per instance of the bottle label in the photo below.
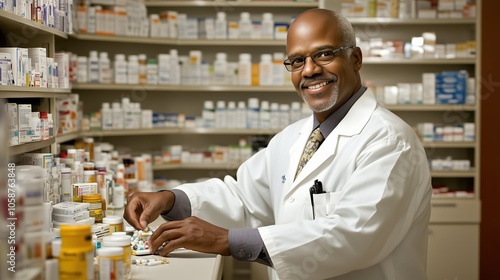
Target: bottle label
x,y
76,265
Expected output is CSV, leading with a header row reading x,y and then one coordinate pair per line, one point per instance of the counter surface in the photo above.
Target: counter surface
x,y
182,264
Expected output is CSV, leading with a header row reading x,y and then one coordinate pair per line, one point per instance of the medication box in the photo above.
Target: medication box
x,y
24,118
451,87
78,190
14,123
70,208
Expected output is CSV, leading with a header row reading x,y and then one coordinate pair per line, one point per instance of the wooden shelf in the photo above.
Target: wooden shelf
x,y
232,42
125,39
229,4
471,173
179,42
177,88
428,107
197,166
416,61
23,26
411,21
29,147
230,131
450,144
68,137
132,132
178,130
32,92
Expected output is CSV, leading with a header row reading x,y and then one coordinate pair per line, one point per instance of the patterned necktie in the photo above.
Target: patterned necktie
x,y
312,145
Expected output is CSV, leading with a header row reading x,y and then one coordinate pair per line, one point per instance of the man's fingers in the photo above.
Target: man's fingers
x,y
145,219
165,233
168,247
132,213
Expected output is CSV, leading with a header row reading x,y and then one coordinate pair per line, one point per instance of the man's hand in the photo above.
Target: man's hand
x,y
191,233
145,207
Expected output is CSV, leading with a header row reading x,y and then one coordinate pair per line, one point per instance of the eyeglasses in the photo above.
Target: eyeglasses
x,y
321,57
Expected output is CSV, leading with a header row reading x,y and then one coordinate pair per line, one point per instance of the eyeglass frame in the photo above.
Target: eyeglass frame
x,y
288,63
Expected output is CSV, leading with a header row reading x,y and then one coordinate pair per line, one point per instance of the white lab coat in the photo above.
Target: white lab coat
x,y
370,224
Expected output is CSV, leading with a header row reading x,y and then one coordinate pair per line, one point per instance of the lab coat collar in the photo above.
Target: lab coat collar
x,y
352,124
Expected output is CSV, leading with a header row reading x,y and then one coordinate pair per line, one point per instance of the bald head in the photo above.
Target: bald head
x,y
326,18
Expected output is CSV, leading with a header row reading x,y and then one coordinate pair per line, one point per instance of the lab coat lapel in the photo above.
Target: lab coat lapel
x,y
296,150
325,151
352,124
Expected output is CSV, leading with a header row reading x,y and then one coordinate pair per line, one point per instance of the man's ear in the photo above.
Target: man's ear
x,y
357,58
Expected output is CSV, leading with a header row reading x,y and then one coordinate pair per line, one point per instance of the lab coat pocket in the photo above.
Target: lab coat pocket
x,y
324,203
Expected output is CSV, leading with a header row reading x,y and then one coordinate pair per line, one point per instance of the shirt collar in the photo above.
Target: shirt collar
x,y
334,119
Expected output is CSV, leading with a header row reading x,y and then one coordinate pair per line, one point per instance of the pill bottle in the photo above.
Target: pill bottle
x,y
111,265
253,112
66,184
89,146
81,70
266,70
143,75
245,69
76,257
120,69
133,70
119,195
267,26
244,26
106,115
104,68
88,166
220,26
89,176
115,223
122,241
93,67
220,76
95,208
208,114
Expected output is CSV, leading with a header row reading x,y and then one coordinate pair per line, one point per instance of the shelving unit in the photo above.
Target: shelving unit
x,y
166,98
29,147
450,216
22,32
185,98
45,99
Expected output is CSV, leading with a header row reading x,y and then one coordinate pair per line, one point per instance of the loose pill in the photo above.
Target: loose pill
x,y
154,263
142,252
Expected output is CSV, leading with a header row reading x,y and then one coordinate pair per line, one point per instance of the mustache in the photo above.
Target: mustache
x,y
308,81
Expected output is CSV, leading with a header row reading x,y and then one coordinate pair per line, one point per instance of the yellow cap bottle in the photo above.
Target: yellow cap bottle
x,y
76,259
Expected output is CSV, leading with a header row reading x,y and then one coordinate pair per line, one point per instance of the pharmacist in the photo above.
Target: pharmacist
x,y
359,208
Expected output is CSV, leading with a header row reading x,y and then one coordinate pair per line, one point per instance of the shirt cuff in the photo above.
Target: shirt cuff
x,y
247,245
181,208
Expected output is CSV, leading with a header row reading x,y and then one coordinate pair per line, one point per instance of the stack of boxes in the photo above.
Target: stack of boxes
x,y
408,8
27,126
30,67
70,212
